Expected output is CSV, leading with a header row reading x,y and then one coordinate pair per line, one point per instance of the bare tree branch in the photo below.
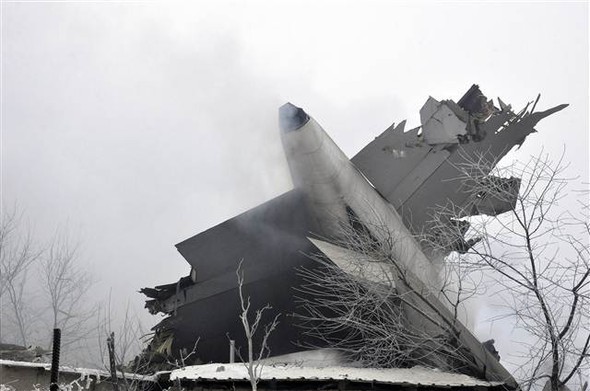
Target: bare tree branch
x,y
539,255
254,363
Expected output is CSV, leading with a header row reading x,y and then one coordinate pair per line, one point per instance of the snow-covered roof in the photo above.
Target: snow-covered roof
x,y
66,369
418,376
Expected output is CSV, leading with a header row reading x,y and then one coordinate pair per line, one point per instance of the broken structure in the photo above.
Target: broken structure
x,y
395,182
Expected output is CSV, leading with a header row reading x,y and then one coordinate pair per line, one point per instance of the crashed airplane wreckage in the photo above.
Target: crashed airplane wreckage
x,y
395,181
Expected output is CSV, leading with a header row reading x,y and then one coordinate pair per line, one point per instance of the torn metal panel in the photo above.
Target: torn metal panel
x,y
440,124
449,236
162,292
498,196
476,103
414,186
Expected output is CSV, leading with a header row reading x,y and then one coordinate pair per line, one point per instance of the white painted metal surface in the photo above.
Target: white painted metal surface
x,y
331,183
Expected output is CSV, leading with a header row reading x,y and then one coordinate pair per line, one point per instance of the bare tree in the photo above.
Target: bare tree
x,y
19,307
65,284
254,363
41,287
17,254
16,248
45,286
538,254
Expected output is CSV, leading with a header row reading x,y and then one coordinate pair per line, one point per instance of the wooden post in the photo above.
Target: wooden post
x,y
111,349
53,385
232,351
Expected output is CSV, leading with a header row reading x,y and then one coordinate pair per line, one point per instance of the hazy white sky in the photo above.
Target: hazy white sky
x,y
141,124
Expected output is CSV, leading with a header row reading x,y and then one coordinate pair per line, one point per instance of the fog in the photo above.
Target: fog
x,y
139,124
